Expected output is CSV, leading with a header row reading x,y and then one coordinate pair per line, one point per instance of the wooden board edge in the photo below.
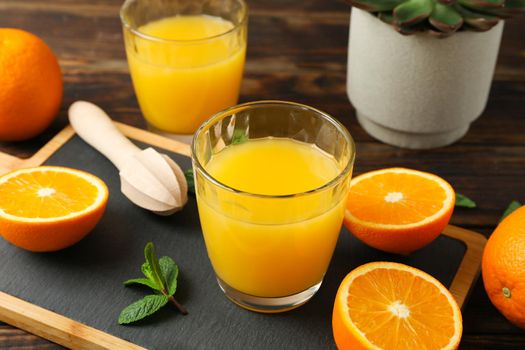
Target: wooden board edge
x,y
13,163
57,328
10,163
470,266
154,139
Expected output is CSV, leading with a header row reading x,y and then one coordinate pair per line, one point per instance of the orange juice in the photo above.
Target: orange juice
x,y
186,68
276,246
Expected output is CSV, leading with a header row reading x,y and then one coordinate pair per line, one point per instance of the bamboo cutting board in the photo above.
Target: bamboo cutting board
x,y
73,297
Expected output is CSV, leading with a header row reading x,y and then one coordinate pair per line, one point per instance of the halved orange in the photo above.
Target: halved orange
x,y
398,210
49,208
384,305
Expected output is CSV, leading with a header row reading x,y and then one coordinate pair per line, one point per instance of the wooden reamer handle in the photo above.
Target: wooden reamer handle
x,y
95,127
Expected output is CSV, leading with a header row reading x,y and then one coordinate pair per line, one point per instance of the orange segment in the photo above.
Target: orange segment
x,y
49,208
384,305
398,210
54,194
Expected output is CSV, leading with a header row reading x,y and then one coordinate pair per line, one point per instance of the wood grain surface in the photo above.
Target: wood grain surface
x,y
297,51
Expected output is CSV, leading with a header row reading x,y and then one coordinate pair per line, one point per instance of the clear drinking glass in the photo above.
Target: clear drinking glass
x,y
271,252
186,59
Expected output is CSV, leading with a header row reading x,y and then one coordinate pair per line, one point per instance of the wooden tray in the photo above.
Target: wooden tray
x,y
73,297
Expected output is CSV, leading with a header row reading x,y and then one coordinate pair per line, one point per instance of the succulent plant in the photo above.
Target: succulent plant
x,y
441,17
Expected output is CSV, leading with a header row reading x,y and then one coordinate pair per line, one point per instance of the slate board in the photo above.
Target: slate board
x,y
84,282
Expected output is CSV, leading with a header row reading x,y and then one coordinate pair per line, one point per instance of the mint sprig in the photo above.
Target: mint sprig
x,y
161,276
464,201
239,136
512,206
154,273
144,281
188,174
142,308
170,270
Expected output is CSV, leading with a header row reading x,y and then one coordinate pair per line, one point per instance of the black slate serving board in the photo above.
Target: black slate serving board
x,y
84,282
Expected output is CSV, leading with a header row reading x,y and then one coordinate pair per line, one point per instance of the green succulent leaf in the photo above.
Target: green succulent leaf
x,y
142,308
386,17
476,20
376,5
510,209
511,7
405,30
143,281
499,13
441,17
438,33
412,11
170,270
445,18
482,4
515,5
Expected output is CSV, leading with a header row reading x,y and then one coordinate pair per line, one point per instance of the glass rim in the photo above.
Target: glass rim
x,y
138,33
222,114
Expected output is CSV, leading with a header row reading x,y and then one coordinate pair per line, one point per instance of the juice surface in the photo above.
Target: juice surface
x,y
187,27
271,247
180,83
273,167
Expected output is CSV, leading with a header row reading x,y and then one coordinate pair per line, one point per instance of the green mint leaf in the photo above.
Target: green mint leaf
x,y
161,275
188,174
464,201
170,270
146,270
143,281
142,308
239,136
153,261
512,206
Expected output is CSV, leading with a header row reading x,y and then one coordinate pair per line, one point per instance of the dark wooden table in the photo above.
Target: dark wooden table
x,y
297,51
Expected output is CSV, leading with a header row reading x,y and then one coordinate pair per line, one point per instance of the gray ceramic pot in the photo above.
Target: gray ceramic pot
x,y
418,91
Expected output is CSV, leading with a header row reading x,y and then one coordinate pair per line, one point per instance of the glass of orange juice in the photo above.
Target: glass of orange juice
x,y
271,182
186,59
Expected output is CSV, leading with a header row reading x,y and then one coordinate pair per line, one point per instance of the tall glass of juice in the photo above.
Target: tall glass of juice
x,y
271,183
186,59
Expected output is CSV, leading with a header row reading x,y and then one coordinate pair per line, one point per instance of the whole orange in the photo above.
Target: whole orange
x,y
503,267
30,85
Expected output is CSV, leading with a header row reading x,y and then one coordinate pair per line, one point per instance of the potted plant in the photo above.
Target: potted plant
x,y
423,90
